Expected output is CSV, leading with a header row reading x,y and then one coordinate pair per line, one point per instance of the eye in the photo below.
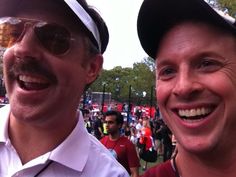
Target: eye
x,y
209,65
206,63
14,33
53,37
166,73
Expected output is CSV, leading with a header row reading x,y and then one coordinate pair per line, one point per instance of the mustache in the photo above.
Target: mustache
x,y
32,66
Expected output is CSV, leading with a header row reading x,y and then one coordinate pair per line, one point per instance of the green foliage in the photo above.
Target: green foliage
x,y
230,5
118,80
150,63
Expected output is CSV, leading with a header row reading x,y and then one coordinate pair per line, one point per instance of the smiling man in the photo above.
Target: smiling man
x,y
194,47
53,52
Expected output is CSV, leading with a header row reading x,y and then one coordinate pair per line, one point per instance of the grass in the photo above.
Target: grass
x,y
149,165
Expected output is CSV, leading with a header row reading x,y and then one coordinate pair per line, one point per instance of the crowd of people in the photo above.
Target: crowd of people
x,y
147,134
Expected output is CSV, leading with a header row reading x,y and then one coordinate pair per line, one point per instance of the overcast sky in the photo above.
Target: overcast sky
x,y
121,18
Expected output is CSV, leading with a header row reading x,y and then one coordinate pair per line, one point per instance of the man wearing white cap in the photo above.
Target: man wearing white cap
x,y
53,51
194,47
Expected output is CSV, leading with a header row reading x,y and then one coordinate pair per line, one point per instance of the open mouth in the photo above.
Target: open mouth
x,y
193,115
32,83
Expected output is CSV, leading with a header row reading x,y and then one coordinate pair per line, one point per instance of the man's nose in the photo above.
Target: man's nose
x,y
27,33
187,84
27,43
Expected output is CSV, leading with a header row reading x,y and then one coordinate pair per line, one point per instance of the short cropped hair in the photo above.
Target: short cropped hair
x,y
119,117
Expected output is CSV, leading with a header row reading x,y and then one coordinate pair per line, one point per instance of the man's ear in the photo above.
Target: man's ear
x,y
94,67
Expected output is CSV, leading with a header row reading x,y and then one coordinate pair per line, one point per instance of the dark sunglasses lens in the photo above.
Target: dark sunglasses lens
x,y
54,38
9,33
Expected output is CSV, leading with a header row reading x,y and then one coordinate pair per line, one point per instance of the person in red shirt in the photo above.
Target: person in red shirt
x,y
146,134
120,146
146,140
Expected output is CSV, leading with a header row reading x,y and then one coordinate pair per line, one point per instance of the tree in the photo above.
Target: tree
x,y
150,62
118,80
230,5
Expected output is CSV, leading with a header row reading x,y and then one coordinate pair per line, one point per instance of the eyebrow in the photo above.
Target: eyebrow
x,y
164,61
109,121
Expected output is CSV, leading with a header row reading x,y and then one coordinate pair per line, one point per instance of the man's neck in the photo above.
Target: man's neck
x,y
208,166
40,140
114,136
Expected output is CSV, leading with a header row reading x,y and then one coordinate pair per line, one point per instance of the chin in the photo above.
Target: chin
x,y
26,113
198,147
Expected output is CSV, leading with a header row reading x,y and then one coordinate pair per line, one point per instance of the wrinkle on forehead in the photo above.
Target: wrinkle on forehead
x,y
185,32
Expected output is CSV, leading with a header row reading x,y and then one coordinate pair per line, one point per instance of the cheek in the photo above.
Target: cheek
x,y
8,64
163,91
7,60
71,74
71,81
222,84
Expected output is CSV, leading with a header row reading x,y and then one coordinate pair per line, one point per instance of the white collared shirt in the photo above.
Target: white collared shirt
x,y
80,155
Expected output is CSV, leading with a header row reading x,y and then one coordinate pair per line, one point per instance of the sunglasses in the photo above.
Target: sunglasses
x,y
53,37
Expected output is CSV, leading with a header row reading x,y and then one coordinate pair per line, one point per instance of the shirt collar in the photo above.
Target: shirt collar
x,y
75,146
4,117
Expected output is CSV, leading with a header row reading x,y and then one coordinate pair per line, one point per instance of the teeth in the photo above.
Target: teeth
x,y
193,120
30,79
194,112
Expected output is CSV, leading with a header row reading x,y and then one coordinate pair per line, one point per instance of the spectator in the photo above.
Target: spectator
x,y
87,120
146,144
167,142
98,127
157,135
120,146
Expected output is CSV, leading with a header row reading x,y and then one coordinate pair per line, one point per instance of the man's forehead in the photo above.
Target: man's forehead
x,y
109,117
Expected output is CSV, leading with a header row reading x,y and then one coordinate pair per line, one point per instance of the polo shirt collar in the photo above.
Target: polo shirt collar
x,y
75,146
4,117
